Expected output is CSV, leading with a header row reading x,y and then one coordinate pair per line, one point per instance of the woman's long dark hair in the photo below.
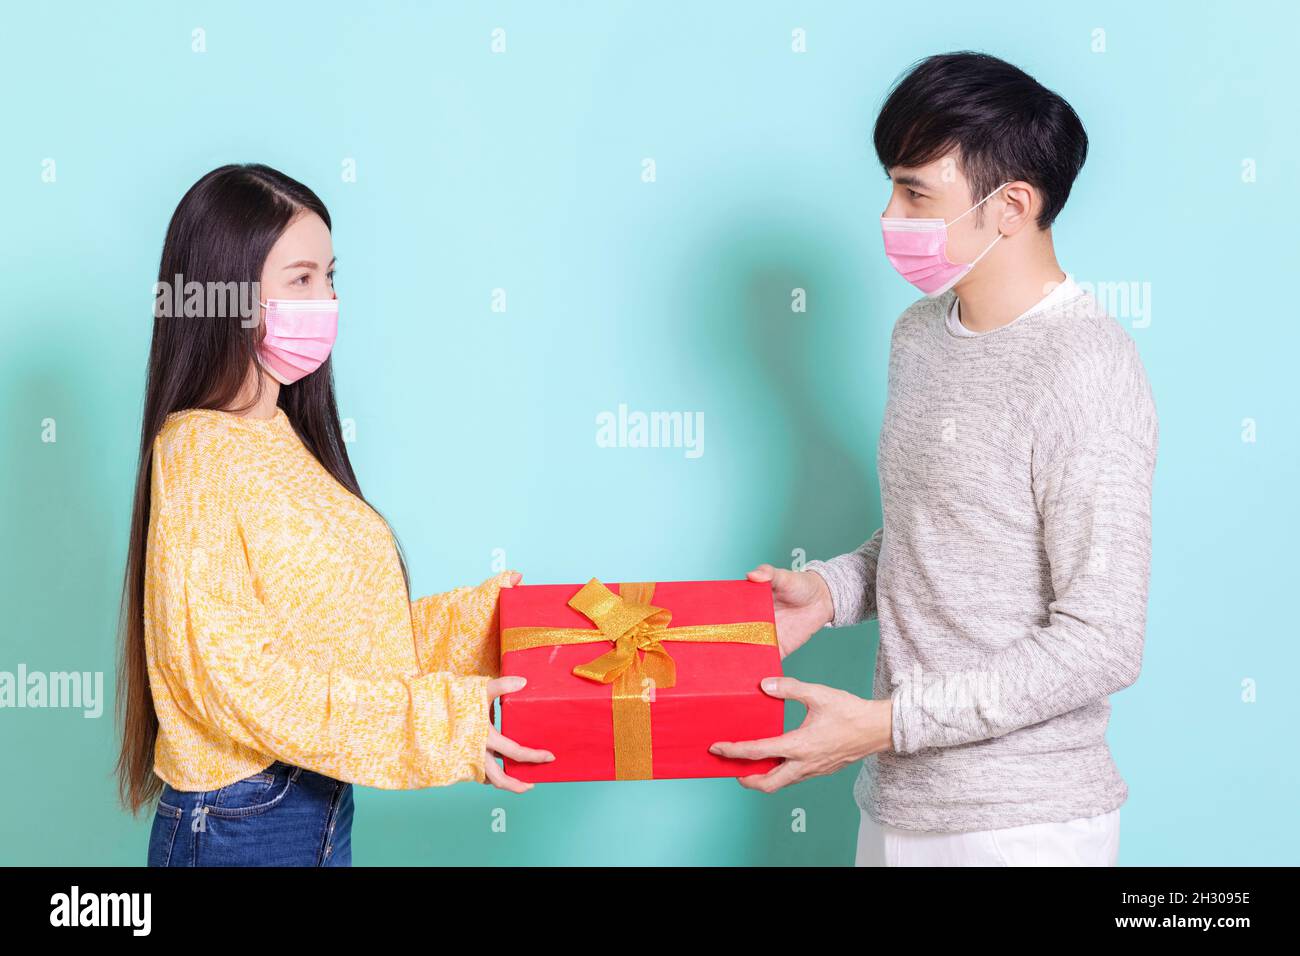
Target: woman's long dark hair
x,y
221,232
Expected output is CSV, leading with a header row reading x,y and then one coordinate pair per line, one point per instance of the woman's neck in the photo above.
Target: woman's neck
x,y
265,406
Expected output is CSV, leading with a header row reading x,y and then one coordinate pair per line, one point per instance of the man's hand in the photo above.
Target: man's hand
x,y
840,729
803,604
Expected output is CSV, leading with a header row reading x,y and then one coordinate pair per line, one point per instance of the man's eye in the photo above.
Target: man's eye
x,y
330,274
914,194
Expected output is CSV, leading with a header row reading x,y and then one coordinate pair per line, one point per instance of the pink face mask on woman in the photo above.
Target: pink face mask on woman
x,y
299,336
918,249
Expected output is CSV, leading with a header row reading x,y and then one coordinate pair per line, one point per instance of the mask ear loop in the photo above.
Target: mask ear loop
x,y
985,252
982,202
971,264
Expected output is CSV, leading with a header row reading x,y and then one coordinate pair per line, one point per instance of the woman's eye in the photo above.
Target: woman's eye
x,y
303,279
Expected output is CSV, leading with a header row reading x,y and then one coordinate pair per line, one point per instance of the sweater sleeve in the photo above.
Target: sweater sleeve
x,y
223,644
458,631
1094,498
851,579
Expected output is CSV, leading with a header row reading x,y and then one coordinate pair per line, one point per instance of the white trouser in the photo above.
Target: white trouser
x,y
1086,841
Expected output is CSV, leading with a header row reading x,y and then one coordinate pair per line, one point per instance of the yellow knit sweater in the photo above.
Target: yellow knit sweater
x,y
277,624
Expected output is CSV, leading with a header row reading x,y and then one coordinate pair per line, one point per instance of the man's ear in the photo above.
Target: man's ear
x,y
1020,209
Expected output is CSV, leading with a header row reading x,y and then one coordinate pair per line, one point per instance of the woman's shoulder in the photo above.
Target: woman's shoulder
x,y
196,451
194,431
215,425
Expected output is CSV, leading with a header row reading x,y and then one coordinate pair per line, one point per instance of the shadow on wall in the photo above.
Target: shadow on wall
x,y
824,373
64,523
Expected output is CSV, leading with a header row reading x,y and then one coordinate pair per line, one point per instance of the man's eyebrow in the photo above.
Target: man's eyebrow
x,y
907,179
308,264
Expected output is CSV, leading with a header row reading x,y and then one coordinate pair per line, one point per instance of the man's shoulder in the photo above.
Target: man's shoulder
x,y
1090,373
1081,324
1083,347
921,316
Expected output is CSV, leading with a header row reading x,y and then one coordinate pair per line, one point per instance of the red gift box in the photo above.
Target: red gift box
x,y
674,695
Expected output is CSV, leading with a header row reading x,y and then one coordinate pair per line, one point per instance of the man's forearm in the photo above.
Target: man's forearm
x,y
1096,507
1049,672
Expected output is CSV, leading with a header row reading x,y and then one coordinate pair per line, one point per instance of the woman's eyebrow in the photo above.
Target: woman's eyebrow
x,y
308,264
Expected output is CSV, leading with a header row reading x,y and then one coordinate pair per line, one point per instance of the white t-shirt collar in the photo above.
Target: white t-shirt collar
x,y
1067,289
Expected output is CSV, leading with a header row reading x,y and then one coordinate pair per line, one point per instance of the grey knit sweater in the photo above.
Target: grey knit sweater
x,y
1010,577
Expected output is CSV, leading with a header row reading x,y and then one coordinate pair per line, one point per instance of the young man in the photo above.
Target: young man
x,y
1016,457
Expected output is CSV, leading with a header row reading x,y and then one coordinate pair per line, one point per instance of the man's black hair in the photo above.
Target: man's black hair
x,y
1003,123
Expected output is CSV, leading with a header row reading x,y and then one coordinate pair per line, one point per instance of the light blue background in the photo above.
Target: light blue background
x,y
476,430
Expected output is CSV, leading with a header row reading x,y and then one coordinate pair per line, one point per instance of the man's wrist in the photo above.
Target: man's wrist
x,y
887,716
876,727
825,600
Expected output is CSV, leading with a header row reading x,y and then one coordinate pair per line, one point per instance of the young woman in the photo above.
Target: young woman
x,y
271,655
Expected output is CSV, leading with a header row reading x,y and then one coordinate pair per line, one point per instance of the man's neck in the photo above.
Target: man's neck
x,y
991,299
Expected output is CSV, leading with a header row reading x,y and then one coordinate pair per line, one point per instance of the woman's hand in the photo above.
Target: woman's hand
x,y
499,745
515,578
803,604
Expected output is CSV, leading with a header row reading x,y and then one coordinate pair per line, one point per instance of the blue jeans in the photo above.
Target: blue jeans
x,y
281,816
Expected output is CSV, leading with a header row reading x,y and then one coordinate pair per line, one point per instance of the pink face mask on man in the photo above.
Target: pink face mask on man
x,y
918,249
299,336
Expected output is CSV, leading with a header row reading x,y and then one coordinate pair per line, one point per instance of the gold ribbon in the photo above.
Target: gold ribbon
x,y
637,664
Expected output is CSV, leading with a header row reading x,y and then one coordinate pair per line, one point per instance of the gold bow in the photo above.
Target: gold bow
x,y
636,629
637,664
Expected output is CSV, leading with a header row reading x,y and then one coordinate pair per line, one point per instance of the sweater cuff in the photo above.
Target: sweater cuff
x,y
837,582
908,720
467,706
